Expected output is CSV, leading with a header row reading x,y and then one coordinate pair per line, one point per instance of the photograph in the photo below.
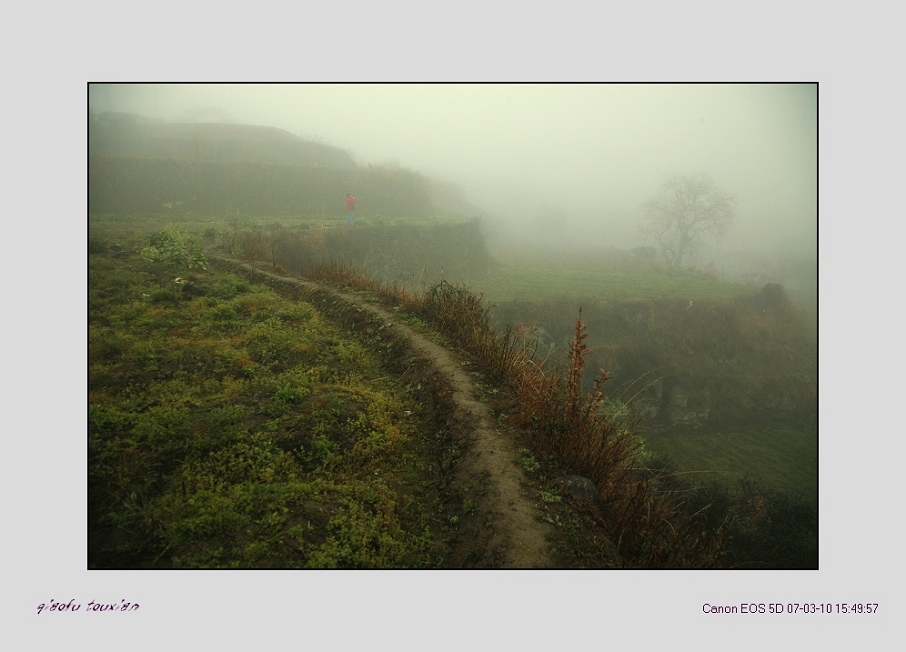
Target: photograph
x,y
453,327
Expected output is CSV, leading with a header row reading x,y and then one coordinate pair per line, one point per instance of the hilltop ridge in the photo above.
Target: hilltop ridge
x,y
141,165
130,135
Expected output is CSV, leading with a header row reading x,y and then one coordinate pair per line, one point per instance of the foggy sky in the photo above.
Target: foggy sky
x,y
557,161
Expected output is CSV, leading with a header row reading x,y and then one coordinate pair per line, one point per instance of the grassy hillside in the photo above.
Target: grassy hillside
x,y
230,427
136,185
137,165
221,416
124,135
413,253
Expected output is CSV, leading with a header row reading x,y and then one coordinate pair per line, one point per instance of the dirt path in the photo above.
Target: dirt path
x,y
504,530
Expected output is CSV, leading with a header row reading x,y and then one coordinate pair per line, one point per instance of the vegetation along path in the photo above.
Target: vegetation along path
x,y
504,528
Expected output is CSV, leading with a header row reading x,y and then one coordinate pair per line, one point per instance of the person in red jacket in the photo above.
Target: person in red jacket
x,y
350,209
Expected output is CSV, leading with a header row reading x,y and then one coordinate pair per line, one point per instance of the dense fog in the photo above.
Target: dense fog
x,y
565,164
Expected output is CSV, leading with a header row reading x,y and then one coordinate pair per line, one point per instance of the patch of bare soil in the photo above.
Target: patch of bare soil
x,y
503,527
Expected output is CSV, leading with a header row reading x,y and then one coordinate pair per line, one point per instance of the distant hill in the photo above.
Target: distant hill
x,y
138,164
133,136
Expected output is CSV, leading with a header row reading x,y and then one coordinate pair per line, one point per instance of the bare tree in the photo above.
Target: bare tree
x,y
684,213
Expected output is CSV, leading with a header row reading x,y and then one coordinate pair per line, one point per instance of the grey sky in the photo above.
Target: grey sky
x,y
577,160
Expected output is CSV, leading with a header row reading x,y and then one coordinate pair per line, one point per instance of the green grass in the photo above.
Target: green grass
x,y
783,457
230,427
535,282
610,274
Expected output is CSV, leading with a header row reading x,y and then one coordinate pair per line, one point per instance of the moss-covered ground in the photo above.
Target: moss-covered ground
x,y
230,427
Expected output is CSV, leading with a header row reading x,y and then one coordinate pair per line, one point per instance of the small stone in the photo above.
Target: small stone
x,y
579,487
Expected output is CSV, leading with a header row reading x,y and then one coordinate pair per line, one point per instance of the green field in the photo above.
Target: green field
x,y
518,280
783,457
229,427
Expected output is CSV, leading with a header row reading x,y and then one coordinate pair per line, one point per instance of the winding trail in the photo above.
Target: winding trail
x,y
505,529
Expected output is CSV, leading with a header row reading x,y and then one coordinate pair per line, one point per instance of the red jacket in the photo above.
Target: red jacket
x,y
350,203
